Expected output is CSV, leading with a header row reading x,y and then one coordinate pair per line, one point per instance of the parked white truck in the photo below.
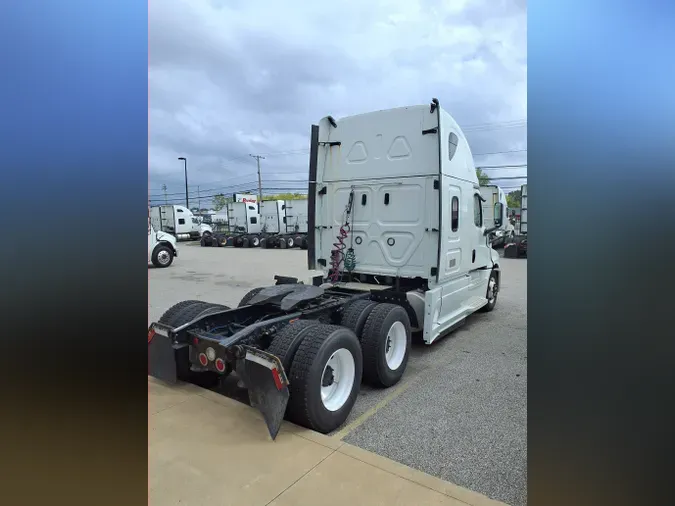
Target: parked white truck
x,y
492,195
244,224
178,221
396,228
161,247
296,221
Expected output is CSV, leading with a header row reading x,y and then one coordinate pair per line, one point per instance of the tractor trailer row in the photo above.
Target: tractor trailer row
x,y
272,224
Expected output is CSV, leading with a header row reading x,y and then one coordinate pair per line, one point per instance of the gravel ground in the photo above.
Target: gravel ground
x,y
461,411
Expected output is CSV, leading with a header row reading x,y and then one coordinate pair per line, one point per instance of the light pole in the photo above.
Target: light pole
x,y
187,202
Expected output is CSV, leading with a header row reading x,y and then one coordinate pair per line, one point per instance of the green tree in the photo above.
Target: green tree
x,y
220,201
513,199
286,196
483,178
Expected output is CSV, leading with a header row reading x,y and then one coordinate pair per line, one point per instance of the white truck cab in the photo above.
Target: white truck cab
x,y
394,201
178,221
161,247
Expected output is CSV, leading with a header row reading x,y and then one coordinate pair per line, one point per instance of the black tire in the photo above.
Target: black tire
x,y
159,254
287,342
255,242
298,241
192,311
355,315
282,243
304,243
492,301
206,234
305,406
245,242
290,242
178,315
244,300
374,341
168,317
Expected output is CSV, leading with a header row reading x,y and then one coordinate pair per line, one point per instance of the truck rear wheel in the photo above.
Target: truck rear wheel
x,y
385,340
244,300
325,378
255,241
245,242
282,243
169,315
287,342
298,241
290,242
355,315
180,314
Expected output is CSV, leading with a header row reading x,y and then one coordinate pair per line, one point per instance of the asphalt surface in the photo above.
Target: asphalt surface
x,y
460,412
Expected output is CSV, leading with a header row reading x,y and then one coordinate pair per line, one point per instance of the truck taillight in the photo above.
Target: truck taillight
x,y
203,360
220,365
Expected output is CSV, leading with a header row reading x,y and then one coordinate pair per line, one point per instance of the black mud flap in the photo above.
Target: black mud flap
x,y
267,385
163,356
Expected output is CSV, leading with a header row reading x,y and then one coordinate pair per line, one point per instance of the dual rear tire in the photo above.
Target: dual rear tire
x,y
326,363
324,372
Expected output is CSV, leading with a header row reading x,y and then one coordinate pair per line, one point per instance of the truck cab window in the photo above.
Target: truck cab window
x,y
454,218
477,211
181,221
254,220
179,210
453,141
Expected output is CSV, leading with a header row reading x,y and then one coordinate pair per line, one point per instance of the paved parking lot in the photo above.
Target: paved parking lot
x,y
460,412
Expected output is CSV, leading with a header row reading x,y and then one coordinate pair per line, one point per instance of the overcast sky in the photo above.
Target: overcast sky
x,y
233,77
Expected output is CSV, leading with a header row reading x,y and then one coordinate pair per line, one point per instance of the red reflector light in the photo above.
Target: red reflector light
x,y
277,379
220,365
195,341
151,334
203,360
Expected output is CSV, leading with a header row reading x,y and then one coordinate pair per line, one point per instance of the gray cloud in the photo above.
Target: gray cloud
x,y
228,78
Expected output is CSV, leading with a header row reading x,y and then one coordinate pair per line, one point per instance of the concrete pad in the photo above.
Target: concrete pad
x,y
162,396
407,473
341,479
204,453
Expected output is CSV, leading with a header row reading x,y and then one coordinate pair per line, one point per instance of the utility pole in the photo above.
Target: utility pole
x,y
258,158
166,199
199,200
187,203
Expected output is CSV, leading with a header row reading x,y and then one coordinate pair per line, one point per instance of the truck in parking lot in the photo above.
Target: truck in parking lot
x,y
178,221
161,247
296,220
244,224
396,231
503,234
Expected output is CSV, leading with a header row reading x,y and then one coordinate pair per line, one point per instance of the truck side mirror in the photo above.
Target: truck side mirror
x,y
499,212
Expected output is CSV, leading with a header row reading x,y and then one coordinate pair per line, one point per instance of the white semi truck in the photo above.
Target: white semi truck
x,y
397,233
178,221
504,234
244,223
161,247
